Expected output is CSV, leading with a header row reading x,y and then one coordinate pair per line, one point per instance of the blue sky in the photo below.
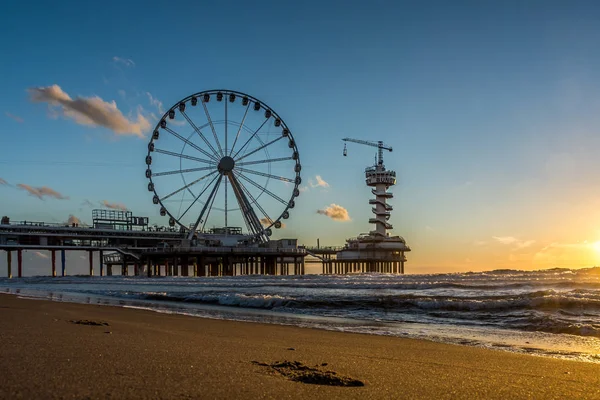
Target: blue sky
x,y
492,109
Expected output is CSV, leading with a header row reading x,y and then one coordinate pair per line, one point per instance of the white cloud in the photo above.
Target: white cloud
x,y
320,182
122,93
90,111
335,212
41,192
128,62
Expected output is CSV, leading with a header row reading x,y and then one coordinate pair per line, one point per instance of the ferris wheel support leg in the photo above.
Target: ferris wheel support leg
x,y
208,201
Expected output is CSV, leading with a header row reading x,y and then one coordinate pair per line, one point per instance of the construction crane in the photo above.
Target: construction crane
x,y
379,144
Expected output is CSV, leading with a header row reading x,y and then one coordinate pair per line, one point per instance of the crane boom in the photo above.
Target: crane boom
x,y
379,144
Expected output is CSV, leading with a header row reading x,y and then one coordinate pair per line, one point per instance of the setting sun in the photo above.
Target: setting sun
x,y
596,246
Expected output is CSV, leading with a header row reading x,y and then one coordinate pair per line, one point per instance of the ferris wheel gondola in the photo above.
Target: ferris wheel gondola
x,y
222,158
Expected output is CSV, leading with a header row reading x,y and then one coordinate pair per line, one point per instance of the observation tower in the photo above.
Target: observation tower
x,y
378,249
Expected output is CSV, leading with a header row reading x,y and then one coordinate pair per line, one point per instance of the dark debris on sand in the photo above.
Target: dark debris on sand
x,y
89,322
298,372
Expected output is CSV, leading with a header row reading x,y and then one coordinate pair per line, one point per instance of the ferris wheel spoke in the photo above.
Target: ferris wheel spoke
x,y
197,197
206,205
270,160
178,136
187,186
171,153
252,222
280,178
225,138
182,171
254,201
226,211
211,203
212,127
260,148
251,137
264,189
215,155
237,135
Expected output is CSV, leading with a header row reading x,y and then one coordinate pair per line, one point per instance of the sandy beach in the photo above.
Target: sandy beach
x,y
52,350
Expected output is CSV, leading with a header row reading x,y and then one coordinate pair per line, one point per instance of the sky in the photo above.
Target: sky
x,y
492,110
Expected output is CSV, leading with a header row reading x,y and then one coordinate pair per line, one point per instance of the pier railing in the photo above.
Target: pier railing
x,y
235,250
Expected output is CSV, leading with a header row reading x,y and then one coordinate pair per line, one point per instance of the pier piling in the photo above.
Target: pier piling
x,y
63,260
53,256
91,258
20,263
9,263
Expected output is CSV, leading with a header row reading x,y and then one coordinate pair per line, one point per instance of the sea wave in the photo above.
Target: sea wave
x,y
558,301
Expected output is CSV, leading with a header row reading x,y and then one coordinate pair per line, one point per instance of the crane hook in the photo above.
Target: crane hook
x,y
345,151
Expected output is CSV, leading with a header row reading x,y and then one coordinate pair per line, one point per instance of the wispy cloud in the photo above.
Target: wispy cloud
x,y
41,192
505,239
128,62
90,111
14,117
156,103
511,240
335,212
88,203
526,243
122,93
3,182
114,206
41,255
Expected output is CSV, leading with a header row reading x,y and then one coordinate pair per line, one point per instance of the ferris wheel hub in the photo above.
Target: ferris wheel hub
x,y
226,164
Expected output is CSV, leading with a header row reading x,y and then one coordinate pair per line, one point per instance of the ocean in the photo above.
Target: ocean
x,y
553,313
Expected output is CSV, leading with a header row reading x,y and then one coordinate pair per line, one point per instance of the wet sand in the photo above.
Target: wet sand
x,y
52,350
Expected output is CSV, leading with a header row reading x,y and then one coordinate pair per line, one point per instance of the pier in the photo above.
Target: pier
x,y
385,263
143,252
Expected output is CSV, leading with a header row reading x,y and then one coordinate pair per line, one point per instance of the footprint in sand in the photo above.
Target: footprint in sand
x,y
298,372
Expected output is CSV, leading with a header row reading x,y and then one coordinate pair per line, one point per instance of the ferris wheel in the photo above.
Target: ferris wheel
x,y
222,160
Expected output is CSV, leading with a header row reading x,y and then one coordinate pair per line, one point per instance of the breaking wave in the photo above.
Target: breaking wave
x,y
558,301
